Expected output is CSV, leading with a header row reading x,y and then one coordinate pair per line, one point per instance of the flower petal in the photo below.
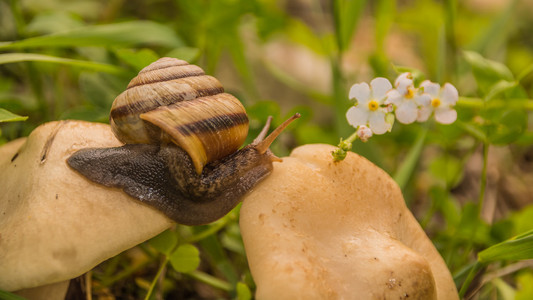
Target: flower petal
x,y
445,115
394,97
431,88
449,94
377,123
423,113
407,112
423,99
403,82
360,92
380,87
404,77
356,116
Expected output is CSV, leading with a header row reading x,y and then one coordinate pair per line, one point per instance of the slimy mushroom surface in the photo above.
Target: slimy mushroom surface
x,y
315,229
54,223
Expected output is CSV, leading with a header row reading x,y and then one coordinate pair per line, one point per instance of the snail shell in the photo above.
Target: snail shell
x,y
172,101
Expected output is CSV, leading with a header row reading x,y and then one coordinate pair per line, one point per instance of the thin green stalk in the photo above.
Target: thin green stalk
x,y
472,102
211,230
339,96
211,280
479,207
406,169
464,288
162,267
344,146
126,273
17,15
450,27
483,177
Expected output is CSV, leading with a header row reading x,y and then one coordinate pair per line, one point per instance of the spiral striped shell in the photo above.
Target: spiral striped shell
x,y
173,101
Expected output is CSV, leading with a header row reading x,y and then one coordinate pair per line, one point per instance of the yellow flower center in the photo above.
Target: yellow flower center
x,y
435,102
373,105
409,94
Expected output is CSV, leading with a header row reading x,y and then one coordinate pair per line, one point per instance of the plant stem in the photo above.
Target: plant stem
x,y
473,102
156,278
478,266
483,177
339,95
211,280
211,230
344,146
351,138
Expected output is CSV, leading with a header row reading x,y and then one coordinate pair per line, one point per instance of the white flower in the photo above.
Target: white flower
x,y
364,133
407,99
370,109
442,102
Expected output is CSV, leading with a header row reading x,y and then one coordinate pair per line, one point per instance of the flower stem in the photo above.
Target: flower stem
x,y
343,147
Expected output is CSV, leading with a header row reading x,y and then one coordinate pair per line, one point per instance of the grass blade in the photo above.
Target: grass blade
x,y
7,58
407,168
517,248
119,34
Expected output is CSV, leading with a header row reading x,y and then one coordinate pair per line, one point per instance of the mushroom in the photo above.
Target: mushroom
x,y
316,229
55,224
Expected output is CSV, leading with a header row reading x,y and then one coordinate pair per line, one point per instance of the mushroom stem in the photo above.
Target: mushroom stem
x,y
262,145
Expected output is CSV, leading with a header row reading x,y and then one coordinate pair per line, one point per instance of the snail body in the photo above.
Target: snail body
x,y
182,136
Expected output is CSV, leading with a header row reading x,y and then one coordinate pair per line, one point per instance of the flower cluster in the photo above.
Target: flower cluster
x,y
379,104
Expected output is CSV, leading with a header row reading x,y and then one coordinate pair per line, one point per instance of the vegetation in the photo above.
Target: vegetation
x,y
468,183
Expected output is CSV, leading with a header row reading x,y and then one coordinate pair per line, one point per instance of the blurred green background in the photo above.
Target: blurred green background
x,y
469,184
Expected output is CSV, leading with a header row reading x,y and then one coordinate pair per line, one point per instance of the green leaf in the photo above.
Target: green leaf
x,y
185,259
497,34
447,206
231,239
7,58
165,242
262,109
385,10
243,292
118,34
487,72
95,88
447,168
506,292
86,113
523,219
9,296
301,34
189,54
499,88
505,126
137,59
7,116
471,227
525,288
54,21
517,248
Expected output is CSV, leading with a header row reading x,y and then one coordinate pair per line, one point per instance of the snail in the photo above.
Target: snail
x,y
182,136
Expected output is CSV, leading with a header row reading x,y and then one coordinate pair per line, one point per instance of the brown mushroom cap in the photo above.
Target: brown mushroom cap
x,y
319,229
55,224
